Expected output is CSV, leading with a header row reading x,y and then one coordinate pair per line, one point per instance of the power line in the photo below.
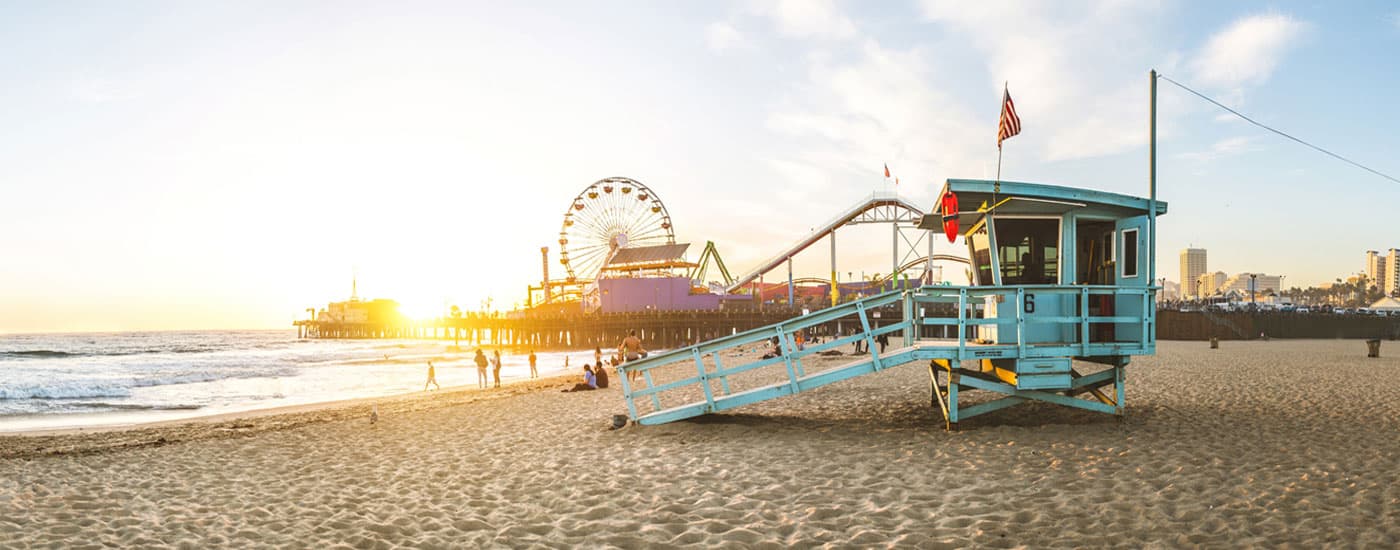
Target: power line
x,y
1276,131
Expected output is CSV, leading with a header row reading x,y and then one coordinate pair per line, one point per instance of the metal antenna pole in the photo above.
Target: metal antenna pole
x,y
1152,183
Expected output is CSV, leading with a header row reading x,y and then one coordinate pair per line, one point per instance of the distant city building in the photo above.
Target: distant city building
x,y
1391,280
1375,267
1209,284
1193,266
1240,282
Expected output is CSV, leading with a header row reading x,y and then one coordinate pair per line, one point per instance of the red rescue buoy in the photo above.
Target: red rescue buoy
x,y
950,215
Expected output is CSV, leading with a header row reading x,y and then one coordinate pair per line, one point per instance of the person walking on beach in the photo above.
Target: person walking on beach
x,y
597,356
496,367
631,349
533,372
480,369
432,378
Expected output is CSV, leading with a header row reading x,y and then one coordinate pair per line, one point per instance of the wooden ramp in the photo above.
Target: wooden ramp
x,y
692,381
862,366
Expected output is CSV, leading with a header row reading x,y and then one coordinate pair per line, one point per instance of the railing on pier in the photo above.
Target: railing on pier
x,y
695,380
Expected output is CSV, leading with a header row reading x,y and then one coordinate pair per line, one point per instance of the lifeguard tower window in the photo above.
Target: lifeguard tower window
x,y
981,255
1130,253
1028,250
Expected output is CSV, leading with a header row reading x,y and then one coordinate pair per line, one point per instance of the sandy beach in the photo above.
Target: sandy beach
x,y
1256,443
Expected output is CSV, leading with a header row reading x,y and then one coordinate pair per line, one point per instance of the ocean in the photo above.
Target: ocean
x,y
50,381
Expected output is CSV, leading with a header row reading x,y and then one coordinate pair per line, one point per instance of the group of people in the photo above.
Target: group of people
x,y
593,379
595,375
482,364
861,346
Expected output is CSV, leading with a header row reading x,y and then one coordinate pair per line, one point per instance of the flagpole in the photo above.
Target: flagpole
x,y
996,186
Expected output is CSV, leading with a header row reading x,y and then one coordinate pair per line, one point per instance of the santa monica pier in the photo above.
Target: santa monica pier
x,y
617,267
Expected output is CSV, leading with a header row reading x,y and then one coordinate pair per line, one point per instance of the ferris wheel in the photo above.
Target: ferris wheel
x,y
608,215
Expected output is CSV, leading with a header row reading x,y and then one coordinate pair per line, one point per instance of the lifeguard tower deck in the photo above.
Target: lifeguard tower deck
x,y
1059,275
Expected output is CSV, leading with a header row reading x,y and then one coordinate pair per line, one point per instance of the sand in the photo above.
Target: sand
x,y
1257,443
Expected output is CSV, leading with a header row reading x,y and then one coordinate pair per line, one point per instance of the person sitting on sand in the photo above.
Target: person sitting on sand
x,y
432,378
480,369
496,367
600,376
534,373
631,350
589,382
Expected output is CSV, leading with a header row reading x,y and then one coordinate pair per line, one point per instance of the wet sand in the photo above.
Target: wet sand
x,y
1257,443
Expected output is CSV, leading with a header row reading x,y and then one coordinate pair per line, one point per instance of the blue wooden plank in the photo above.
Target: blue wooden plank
x,y
1092,378
664,387
835,375
719,371
749,397
704,379
999,387
989,406
787,357
1020,322
1084,321
655,399
627,396
1118,382
869,340
672,415
954,382
754,365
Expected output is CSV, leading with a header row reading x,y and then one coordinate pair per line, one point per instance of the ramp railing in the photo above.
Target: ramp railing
x,y
724,373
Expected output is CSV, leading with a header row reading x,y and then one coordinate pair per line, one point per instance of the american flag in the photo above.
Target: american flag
x,y
1010,123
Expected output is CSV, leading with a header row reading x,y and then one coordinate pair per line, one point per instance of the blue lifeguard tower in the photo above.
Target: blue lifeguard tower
x,y
1061,298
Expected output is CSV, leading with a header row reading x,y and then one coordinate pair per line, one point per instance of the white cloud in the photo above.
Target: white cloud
x,y
722,37
1078,76
852,117
1228,147
806,18
100,90
1246,52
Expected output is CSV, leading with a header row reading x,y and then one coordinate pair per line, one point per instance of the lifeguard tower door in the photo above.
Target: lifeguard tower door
x,y
1131,241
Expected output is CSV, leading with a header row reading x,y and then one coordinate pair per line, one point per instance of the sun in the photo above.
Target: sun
x,y
422,309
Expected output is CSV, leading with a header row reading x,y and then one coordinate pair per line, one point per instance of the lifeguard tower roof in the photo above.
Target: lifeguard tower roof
x,y
978,197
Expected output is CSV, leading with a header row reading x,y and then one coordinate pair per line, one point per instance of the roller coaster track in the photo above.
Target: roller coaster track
x,y
919,262
876,208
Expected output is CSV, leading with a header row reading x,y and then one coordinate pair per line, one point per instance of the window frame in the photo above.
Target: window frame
x,y
992,260
1137,253
1059,246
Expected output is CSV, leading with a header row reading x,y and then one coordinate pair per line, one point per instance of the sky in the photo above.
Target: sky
x,y
199,165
